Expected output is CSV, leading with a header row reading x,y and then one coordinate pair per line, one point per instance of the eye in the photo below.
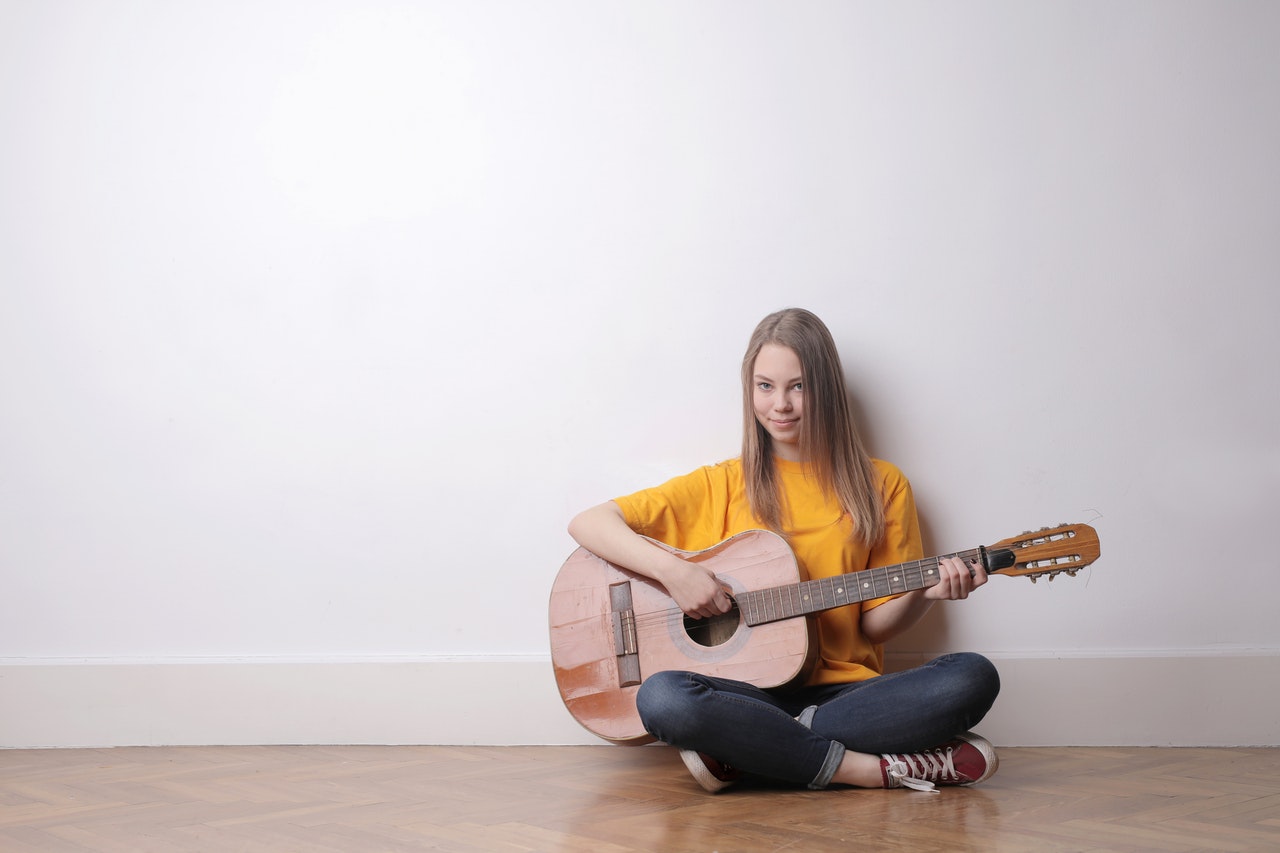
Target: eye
x,y
765,386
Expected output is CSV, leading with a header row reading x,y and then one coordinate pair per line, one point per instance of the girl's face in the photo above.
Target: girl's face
x,y
778,397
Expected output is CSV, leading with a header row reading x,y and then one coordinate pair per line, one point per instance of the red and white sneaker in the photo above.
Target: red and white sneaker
x,y
708,772
964,761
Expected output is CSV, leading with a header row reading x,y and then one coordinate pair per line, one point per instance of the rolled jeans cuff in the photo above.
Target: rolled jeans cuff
x,y
835,754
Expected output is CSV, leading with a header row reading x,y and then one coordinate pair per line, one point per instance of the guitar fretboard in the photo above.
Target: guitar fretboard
x,y
800,599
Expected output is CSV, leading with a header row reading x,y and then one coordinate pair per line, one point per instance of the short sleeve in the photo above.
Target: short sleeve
x,y
689,512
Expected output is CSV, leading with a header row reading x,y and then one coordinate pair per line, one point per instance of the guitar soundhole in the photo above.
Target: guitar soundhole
x,y
715,630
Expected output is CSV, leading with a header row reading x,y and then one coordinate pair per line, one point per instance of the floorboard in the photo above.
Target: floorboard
x,y
607,799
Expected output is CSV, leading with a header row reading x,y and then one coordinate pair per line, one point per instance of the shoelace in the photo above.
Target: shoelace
x,y
916,771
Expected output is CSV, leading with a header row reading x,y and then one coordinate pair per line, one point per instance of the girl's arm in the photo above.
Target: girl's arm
x,y
893,617
603,531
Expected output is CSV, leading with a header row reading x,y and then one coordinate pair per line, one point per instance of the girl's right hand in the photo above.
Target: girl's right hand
x,y
603,531
696,591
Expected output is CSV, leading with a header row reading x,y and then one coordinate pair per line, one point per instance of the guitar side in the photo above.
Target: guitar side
x,y
611,629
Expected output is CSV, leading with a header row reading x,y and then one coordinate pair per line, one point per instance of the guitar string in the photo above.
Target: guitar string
x,y
662,617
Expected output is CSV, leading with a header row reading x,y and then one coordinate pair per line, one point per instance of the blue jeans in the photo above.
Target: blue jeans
x,y
756,731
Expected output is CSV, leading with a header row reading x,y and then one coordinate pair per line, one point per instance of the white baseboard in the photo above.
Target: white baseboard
x,y
1133,699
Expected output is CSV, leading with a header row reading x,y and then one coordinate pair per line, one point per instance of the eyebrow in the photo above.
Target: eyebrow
x,y
760,377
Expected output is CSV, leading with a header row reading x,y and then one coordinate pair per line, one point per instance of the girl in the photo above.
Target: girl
x,y
804,474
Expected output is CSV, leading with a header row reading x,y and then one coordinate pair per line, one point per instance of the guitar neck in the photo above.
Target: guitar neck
x,y
800,599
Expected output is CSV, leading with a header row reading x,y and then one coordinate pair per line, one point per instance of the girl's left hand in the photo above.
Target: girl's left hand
x,y
956,579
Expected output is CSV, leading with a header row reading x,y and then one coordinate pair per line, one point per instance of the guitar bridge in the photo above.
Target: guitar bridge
x,y
625,641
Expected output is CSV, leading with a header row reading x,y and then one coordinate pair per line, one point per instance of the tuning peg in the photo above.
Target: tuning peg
x,y
1034,578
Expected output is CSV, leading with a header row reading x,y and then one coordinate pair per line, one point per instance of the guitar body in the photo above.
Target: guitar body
x,y
602,649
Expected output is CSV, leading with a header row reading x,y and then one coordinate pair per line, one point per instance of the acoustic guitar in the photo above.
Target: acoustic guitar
x,y
612,628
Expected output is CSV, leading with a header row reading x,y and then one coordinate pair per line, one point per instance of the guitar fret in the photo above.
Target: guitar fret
x,y
840,589
915,575
896,583
828,593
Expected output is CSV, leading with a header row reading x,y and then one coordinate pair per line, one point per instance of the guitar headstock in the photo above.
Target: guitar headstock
x,y
1049,551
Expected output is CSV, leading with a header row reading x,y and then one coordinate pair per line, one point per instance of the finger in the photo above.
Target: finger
x,y
946,582
719,604
958,575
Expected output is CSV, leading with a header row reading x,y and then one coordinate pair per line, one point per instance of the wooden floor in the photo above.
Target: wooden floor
x,y
609,799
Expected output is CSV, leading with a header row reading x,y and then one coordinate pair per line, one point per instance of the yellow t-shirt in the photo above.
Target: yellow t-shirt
x,y
700,509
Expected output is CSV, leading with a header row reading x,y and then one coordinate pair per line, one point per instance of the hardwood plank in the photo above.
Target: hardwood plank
x,y
615,800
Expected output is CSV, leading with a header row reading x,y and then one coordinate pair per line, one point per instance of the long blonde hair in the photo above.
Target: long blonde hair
x,y
829,440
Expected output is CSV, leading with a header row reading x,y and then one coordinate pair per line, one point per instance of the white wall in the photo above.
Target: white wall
x,y
319,320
